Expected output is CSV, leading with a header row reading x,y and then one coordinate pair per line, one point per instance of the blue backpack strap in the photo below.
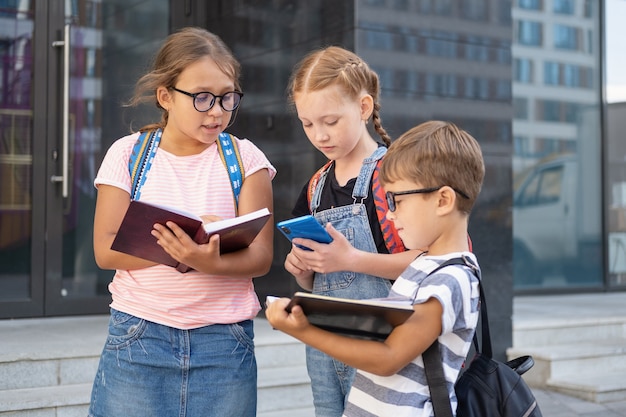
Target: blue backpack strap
x,y
229,153
145,148
140,160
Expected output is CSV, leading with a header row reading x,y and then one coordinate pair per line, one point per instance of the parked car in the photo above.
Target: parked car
x,y
556,225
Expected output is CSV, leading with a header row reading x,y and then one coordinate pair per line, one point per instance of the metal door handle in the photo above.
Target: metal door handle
x,y
64,177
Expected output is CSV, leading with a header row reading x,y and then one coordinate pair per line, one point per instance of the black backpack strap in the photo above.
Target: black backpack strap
x,y
432,361
436,381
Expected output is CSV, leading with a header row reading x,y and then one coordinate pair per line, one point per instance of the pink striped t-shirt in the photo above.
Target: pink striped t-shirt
x,y
198,184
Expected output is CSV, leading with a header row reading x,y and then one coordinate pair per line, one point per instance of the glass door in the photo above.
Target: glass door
x,y
20,294
66,68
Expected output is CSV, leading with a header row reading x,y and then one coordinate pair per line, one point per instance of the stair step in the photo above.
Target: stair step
x,y
284,375
567,361
562,331
284,389
34,381
23,374
599,388
300,412
276,349
44,397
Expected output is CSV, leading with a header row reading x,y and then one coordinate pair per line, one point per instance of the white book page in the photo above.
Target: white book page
x,y
222,224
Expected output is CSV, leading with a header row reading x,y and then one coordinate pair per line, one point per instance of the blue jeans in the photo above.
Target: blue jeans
x,y
330,382
150,370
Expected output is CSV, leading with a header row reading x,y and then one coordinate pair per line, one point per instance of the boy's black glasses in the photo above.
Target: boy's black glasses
x,y
391,196
205,100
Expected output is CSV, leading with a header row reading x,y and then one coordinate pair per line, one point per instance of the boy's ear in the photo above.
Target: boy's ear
x,y
447,200
367,106
164,98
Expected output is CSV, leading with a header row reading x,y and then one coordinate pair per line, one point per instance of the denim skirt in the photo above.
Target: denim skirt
x,y
147,369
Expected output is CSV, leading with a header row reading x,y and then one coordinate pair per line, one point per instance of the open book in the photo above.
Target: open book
x,y
366,319
134,235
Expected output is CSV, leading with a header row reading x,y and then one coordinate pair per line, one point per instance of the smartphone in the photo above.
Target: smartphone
x,y
306,227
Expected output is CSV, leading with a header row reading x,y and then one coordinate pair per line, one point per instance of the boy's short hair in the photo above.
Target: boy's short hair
x,y
437,153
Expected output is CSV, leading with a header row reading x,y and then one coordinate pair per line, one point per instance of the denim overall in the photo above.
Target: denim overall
x,y
331,379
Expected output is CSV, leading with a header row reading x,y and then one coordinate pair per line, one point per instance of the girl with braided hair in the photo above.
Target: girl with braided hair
x,y
336,94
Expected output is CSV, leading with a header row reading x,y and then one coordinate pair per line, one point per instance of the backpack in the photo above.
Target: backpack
x,y
145,148
487,388
392,239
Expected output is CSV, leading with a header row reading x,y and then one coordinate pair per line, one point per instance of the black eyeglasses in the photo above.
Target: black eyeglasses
x,y
205,100
391,196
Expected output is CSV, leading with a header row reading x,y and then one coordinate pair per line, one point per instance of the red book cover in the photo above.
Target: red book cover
x,y
134,235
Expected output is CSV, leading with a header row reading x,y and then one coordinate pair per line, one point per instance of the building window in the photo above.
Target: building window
x,y
551,111
441,44
476,49
375,3
450,85
520,145
475,10
590,42
530,4
503,53
504,12
503,90
529,33
565,37
523,70
588,8
547,146
551,73
563,7
571,75
443,7
520,108
401,4
377,36
412,84
470,88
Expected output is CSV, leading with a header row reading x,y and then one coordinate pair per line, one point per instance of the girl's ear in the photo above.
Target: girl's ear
x,y
367,106
164,98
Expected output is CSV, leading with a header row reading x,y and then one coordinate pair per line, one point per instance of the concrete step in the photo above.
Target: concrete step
x,y
598,388
578,343
284,385
584,357
56,380
574,360
42,400
548,332
568,361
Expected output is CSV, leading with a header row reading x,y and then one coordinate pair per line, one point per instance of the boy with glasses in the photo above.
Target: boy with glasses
x,y
432,175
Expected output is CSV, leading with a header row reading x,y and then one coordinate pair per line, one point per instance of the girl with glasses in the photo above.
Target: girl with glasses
x,y
182,343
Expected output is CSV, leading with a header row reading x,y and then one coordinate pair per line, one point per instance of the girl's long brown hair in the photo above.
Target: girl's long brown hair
x,y
179,50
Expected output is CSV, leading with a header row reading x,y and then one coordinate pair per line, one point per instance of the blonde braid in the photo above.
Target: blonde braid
x,y
378,126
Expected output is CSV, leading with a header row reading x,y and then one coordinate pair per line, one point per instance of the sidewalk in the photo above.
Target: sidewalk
x,y
553,404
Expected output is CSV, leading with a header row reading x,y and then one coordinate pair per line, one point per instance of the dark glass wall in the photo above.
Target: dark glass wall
x,y
615,145
268,38
451,60
557,153
443,60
